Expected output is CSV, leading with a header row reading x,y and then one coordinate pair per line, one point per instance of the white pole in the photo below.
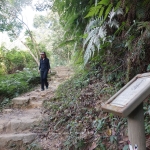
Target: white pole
x,y
136,129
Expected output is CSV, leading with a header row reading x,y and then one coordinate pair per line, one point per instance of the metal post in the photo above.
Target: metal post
x,y
136,129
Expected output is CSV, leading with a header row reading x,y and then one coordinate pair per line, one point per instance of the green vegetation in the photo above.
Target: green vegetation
x,y
13,60
112,37
107,39
76,110
18,74
114,34
14,84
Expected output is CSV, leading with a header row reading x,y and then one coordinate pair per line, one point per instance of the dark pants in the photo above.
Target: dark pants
x,y
44,79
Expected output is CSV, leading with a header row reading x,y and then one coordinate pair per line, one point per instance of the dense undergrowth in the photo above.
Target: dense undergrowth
x,y
17,74
12,85
76,112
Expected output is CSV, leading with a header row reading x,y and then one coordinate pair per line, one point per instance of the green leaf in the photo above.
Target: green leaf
x,y
98,9
126,147
111,115
108,11
127,9
93,11
118,5
112,139
121,28
85,36
104,2
101,12
60,45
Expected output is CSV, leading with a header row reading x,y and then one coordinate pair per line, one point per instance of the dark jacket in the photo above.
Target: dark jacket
x,y
44,64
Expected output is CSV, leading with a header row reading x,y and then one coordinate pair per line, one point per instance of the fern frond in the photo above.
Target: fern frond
x,y
94,23
113,23
102,32
90,35
88,52
111,14
97,42
97,33
119,11
92,29
114,13
92,42
144,24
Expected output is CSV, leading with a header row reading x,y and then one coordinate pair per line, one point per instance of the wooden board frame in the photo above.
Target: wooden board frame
x,y
133,103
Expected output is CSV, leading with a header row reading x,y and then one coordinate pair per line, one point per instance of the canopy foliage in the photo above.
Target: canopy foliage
x,y
10,15
110,39
114,33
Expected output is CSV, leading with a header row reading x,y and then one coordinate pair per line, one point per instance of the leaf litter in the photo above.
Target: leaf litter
x,y
74,119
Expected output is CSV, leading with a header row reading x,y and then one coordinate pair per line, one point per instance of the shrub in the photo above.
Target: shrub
x,y
14,84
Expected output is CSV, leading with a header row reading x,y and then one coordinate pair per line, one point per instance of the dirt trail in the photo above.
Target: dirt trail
x,y
16,123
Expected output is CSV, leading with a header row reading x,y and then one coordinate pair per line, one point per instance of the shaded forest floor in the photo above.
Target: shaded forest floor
x,y
75,120
25,112
67,116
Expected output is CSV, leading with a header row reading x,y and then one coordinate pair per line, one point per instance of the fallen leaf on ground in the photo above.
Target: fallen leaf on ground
x,y
93,146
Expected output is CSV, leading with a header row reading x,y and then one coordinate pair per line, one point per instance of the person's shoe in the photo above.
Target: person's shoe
x,y
47,85
42,89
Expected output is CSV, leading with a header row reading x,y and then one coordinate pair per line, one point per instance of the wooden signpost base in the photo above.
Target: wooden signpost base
x,y
128,102
136,129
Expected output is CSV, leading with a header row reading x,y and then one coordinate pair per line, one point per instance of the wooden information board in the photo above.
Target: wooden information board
x,y
130,96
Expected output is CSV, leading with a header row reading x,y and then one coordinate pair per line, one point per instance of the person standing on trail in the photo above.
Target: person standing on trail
x,y
44,68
